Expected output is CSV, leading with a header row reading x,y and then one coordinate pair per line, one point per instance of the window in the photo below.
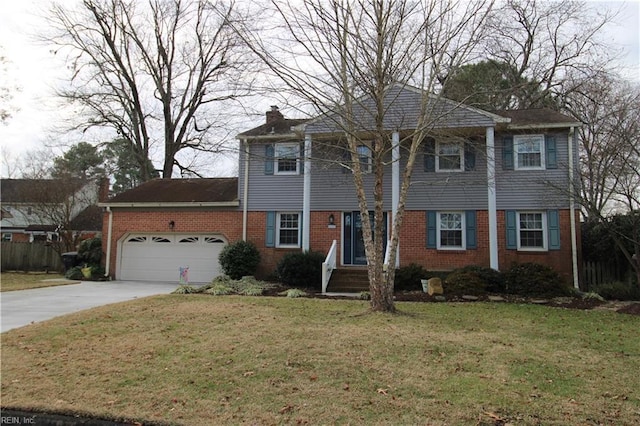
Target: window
x,y
286,158
450,157
531,231
6,236
450,230
364,156
288,231
529,151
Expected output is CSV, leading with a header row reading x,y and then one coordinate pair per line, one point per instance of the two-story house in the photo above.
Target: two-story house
x,y
36,210
488,188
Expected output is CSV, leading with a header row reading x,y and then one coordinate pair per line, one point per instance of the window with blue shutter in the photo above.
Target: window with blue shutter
x,y
551,155
512,229
270,239
429,155
268,159
431,229
553,225
470,224
469,156
507,153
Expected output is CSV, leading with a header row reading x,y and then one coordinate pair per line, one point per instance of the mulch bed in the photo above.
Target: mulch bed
x,y
631,308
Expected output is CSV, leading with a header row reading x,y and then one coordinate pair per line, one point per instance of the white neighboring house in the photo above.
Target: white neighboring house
x,y
40,210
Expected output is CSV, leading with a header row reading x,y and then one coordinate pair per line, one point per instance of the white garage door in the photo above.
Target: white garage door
x,y
159,257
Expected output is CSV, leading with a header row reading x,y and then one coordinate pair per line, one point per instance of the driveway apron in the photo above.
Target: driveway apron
x,y
23,307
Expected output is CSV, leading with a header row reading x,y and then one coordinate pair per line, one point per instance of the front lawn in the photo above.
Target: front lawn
x,y
200,359
10,281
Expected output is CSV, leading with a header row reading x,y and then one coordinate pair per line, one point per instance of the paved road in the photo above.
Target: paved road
x,y
23,307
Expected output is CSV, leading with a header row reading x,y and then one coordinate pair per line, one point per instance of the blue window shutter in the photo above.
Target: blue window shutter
x,y
269,154
469,156
470,223
431,229
270,240
551,154
507,153
512,229
553,223
429,155
301,159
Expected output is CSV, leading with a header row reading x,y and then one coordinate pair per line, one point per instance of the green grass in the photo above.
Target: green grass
x,y
198,359
11,281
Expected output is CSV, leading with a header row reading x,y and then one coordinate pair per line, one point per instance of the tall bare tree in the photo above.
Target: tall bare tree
x,y
541,42
345,58
610,157
158,72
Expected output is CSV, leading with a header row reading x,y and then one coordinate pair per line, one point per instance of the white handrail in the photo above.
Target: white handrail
x,y
329,265
385,266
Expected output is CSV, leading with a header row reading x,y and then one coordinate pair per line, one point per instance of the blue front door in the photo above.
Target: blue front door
x,y
354,252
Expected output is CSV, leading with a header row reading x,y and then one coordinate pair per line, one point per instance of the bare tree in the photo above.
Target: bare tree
x,y
541,42
345,59
610,156
157,72
6,89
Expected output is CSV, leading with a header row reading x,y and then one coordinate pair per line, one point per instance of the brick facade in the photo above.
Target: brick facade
x,y
413,247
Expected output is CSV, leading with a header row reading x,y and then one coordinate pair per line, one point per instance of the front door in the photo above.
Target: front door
x,y
353,239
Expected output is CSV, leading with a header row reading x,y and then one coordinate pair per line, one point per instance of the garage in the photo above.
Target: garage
x,y
160,257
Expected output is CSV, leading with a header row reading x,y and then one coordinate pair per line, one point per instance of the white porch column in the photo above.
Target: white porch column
x,y
572,212
395,181
306,198
491,196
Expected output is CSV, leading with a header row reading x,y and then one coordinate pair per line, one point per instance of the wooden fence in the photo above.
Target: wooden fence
x,y
594,273
29,257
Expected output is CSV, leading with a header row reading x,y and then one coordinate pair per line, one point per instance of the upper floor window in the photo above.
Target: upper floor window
x,y
7,236
450,157
286,157
529,151
365,158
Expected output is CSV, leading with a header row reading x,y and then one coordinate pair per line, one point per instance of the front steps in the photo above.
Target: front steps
x,y
348,280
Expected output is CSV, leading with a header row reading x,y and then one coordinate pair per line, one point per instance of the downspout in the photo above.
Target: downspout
x,y
245,191
107,267
572,212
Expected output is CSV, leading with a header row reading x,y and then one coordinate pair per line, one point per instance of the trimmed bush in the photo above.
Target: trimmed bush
x,y
617,290
239,259
74,273
461,282
301,269
408,277
492,280
90,251
533,279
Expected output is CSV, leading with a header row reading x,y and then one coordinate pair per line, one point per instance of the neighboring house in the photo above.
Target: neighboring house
x,y
35,210
489,188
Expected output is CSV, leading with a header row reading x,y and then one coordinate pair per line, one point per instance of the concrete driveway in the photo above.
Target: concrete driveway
x,y
20,308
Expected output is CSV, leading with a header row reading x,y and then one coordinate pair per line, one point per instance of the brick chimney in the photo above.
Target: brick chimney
x,y
274,115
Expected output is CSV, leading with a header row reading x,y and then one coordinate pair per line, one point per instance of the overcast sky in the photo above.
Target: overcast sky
x,y
35,70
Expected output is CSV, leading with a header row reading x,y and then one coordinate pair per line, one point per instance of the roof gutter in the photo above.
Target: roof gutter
x,y
544,126
183,204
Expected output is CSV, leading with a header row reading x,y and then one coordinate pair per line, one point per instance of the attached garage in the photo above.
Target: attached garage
x,y
160,257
